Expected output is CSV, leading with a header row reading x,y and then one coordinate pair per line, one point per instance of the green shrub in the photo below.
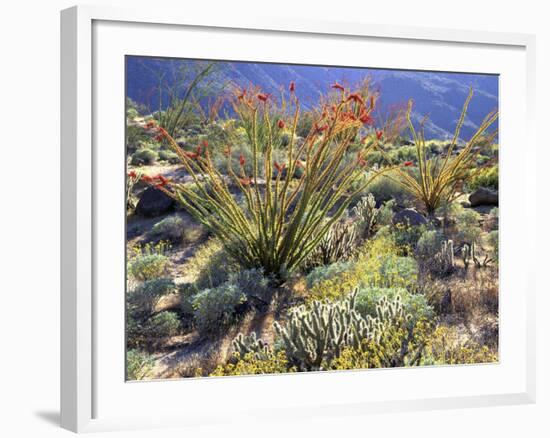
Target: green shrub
x,y
160,326
429,244
467,226
486,177
322,273
138,364
144,156
493,243
171,228
210,266
415,305
171,157
253,283
148,267
216,309
407,236
146,295
384,214
386,188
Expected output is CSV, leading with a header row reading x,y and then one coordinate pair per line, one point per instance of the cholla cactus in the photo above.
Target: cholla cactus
x,y
244,345
469,254
337,245
444,261
366,212
279,225
314,337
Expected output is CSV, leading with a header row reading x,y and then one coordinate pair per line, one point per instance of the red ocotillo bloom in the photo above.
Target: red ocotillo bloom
x,y
337,86
279,167
379,134
356,97
263,97
191,155
242,161
292,87
281,124
366,119
408,163
162,181
147,178
132,174
245,181
150,124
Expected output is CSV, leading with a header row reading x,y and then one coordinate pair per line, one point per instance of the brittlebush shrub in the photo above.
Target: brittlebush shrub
x,y
445,347
379,264
144,156
274,363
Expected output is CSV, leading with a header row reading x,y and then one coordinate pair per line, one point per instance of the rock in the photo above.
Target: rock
x,y
153,202
483,196
409,216
466,204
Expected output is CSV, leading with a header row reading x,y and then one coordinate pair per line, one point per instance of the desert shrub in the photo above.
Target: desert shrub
x,y
216,308
144,156
415,305
492,239
386,188
445,346
491,222
169,156
407,236
148,267
429,244
170,229
322,273
160,326
366,215
145,296
486,177
467,226
131,113
138,364
134,136
435,254
209,266
379,264
384,214
273,363
253,283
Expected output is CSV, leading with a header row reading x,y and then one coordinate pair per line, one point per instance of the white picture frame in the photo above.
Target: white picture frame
x,y
81,366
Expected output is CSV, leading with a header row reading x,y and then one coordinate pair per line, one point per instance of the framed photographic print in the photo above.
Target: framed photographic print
x,y
331,222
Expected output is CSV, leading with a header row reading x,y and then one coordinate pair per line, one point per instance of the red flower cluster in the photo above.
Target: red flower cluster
x,y
365,118
132,174
245,181
158,180
379,134
281,124
360,160
337,86
150,124
263,97
242,161
162,134
357,98
319,129
408,163
292,87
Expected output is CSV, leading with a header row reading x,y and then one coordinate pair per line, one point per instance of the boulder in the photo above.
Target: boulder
x,y
409,216
153,203
483,196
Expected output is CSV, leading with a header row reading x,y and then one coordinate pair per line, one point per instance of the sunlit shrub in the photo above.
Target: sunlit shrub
x,y
493,243
216,309
171,229
145,296
144,156
169,156
322,273
274,363
138,364
148,267
485,177
467,226
253,283
162,325
445,346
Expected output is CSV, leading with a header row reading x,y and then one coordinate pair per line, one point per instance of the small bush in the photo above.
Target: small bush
x,y
467,226
145,296
138,364
253,283
491,222
445,346
429,244
487,177
274,363
493,243
148,267
171,228
385,188
216,309
407,236
210,266
169,156
322,273
162,325
144,156
384,214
